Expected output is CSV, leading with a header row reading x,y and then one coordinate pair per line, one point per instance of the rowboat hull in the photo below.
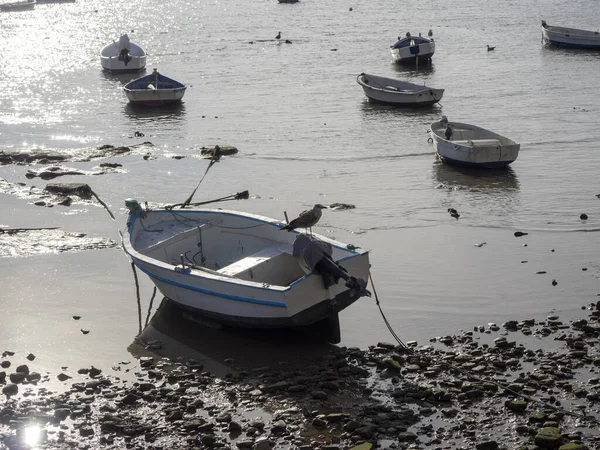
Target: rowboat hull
x,y
18,6
224,288
570,37
112,59
473,146
154,90
394,92
410,50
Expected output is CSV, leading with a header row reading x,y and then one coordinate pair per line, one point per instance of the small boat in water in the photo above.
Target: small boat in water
x,y
395,92
468,145
570,37
288,1
242,269
18,6
154,90
123,56
413,49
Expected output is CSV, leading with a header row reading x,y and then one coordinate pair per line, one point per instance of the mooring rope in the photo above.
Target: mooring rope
x,y
475,377
150,307
137,292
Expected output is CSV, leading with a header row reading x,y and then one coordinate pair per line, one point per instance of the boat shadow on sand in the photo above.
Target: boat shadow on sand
x,y
472,178
178,335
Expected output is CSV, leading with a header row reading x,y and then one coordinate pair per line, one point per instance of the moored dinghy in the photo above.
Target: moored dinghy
x,y
241,269
395,92
24,5
154,90
469,145
411,49
570,37
123,56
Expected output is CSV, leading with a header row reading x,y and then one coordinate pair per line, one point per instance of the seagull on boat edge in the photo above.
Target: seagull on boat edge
x,y
306,219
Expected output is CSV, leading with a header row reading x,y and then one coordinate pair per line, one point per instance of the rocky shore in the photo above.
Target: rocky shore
x,y
456,392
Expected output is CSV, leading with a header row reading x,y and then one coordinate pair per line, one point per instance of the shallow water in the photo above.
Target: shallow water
x,y
306,134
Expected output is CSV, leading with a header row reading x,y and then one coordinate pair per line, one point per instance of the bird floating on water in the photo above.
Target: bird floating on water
x,y
306,219
490,48
278,35
430,33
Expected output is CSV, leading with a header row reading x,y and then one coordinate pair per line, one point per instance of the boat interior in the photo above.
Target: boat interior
x,y
222,247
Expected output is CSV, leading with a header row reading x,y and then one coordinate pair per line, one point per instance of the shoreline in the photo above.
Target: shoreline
x,y
328,397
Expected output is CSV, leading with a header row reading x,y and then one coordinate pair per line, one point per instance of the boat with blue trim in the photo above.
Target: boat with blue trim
x,y
242,269
412,49
570,37
469,145
154,90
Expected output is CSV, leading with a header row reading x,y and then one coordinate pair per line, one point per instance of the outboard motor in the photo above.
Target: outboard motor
x,y
124,49
314,256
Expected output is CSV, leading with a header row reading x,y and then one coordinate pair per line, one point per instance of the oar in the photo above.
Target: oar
x,y
214,159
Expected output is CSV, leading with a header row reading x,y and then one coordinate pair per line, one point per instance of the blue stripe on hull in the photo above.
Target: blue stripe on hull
x,y
486,165
403,105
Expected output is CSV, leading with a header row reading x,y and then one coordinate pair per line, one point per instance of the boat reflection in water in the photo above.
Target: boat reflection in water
x,y
178,335
475,179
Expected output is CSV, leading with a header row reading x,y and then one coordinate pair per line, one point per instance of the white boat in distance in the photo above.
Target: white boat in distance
x,y
468,145
18,6
123,56
154,90
241,269
395,92
570,37
411,49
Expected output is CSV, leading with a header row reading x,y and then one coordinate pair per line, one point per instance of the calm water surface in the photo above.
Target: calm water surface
x,y
306,134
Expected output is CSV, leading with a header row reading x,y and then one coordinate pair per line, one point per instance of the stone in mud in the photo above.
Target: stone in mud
x,y
10,389
245,444
392,365
262,443
516,405
23,369
217,151
63,377
16,377
573,446
319,395
81,190
488,445
549,437
5,364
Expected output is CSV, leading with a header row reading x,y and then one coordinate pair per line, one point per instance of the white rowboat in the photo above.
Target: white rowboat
x,y
570,37
241,269
469,145
396,92
411,49
123,56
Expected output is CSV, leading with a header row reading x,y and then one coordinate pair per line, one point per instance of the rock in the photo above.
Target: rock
x,y
406,436
341,206
262,443
217,151
488,445
516,405
573,446
86,431
319,395
363,446
23,369
520,233
81,190
548,437
16,377
63,377
10,389
245,444
5,364
62,413
30,357
129,399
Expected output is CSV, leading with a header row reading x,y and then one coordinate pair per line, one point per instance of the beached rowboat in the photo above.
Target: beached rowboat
x,y
241,269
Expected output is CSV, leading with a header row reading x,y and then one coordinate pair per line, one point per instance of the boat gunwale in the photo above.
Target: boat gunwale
x,y
130,250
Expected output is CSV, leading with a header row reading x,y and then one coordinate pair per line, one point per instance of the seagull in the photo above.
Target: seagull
x,y
430,34
278,35
306,219
490,48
